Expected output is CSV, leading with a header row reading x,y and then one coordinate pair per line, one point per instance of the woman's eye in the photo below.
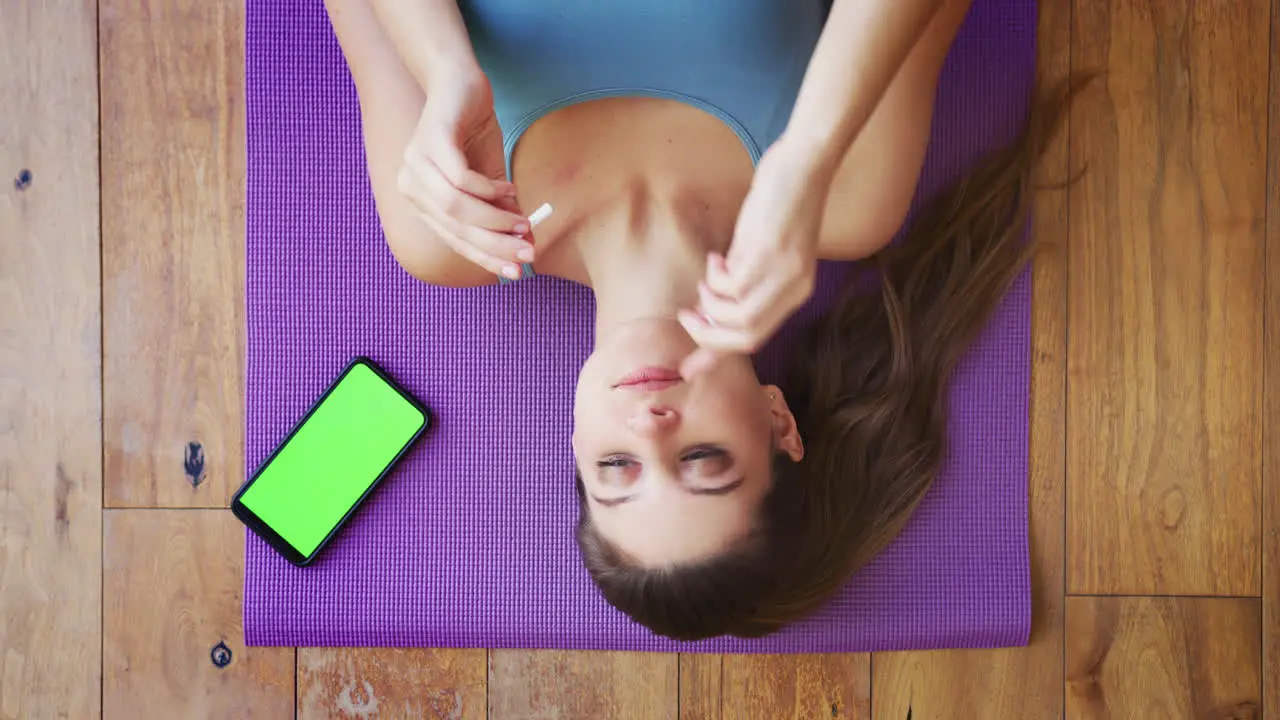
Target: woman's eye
x,y
703,453
615,462
707,461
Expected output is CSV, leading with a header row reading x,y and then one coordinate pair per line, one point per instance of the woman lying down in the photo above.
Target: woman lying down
x,y
701,158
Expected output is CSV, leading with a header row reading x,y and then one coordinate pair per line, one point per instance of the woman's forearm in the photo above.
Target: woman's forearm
x,y
429,36
864,44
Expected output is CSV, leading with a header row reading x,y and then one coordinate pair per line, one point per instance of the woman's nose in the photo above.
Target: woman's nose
x,y
654,420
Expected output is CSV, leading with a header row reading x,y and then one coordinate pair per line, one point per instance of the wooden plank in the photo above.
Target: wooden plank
x,y
1016,682
1271,446
571,684
723,687
1162,658
391,682
796,686
947,684
171,581
700,676
1166,274
173,250
50,362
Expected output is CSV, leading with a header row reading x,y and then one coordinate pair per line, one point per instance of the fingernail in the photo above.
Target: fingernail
x,y
525,255
512,272
521,228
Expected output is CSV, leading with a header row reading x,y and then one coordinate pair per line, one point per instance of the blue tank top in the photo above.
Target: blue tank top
x,y
740,60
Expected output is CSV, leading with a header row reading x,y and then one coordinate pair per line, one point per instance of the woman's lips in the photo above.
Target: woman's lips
x,y
649,385
650,379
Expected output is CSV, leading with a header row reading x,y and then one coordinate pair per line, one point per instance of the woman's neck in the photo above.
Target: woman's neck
x,y
645,256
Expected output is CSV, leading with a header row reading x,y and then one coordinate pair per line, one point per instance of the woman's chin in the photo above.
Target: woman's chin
x,y
656,342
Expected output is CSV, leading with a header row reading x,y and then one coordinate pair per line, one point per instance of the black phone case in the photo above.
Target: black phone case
x,y
263,530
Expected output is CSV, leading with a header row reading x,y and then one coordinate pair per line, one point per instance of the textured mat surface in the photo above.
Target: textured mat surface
x,y
470,542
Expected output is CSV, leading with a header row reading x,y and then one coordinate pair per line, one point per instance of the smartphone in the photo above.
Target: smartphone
x,y
331,461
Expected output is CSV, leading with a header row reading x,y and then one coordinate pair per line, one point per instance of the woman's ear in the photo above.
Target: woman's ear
x,y
786,436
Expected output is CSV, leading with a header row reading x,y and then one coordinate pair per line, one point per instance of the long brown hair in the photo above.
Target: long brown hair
x,y
868,388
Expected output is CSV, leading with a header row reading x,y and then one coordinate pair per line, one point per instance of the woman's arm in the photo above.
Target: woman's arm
x,y
872,190
863,46
858,131
428,150
428,35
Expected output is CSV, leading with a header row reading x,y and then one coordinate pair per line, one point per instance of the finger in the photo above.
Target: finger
x,y
502,249
510,204
744,325
768,317
758,310
728,312
698,362
719,280
495,265
452,163
509,248
735,279
775,303
426,186
469,209
747,269
432,193
725,340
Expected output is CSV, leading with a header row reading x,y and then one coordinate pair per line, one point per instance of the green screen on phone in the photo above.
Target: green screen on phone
x,y
333,458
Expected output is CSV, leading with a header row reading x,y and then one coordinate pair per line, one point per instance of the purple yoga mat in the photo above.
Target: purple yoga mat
x,y
469,542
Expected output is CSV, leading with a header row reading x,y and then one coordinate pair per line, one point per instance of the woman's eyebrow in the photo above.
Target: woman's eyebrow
x,y
722,490
613,502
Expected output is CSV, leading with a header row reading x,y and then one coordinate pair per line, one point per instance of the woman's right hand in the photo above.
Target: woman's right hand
x,y
454,174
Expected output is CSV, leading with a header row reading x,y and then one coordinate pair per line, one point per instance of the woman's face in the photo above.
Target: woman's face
x,y
674,469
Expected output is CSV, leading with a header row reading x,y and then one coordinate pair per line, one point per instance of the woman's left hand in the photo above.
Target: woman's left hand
x,y
772,261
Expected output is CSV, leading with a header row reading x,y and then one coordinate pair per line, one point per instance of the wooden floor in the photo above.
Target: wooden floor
x,y
1155,480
